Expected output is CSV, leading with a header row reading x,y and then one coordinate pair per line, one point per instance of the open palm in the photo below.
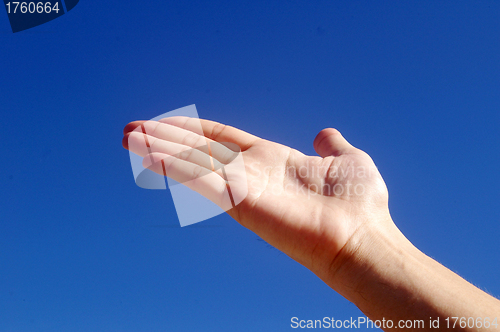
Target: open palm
x,y
307,206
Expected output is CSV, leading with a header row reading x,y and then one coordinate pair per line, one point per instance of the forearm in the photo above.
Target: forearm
x,y
387,277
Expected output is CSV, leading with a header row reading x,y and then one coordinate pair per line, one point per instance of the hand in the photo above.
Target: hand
x,y
306,206
329,213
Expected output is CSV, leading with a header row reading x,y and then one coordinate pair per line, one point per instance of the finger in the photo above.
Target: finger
x,y
139,142
195,177
131,126
329,142
143,145
172,133
214,131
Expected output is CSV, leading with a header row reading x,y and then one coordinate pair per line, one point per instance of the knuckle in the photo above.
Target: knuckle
x,y
227,157
193,140
188,140
217,130
197,172
186,154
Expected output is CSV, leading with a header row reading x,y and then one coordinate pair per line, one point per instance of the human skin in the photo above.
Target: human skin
x,y
345,236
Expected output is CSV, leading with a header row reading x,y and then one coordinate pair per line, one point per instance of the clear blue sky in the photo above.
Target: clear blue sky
x,y
82,248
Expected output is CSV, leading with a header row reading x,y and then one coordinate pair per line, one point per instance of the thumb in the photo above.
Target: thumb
x,y
330,142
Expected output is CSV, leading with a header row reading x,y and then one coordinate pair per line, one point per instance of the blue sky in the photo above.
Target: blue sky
x,y
82,248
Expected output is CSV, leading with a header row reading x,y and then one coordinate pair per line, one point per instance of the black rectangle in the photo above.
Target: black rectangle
x,y
28,14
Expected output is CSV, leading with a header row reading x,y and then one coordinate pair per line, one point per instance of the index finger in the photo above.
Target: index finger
x,y
214,130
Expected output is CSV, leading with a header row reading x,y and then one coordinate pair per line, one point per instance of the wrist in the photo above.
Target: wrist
x,y
377,253
387,277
